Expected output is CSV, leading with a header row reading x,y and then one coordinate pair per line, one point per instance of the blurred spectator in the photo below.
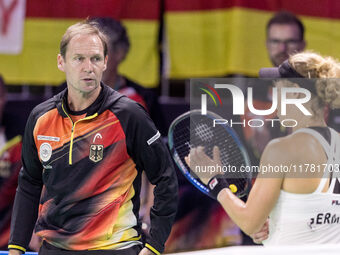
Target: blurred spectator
x,y
10,164
118,47
285,36
10,151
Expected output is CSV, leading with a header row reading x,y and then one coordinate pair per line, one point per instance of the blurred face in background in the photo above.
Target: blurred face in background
x,y
116,56
282,41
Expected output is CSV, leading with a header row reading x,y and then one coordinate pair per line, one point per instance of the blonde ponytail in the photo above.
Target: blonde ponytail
x,y
312,65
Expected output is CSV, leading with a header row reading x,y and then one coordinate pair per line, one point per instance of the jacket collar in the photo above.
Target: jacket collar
x,y
96,107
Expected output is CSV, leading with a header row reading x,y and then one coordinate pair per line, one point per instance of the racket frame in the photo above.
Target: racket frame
x,y
183,167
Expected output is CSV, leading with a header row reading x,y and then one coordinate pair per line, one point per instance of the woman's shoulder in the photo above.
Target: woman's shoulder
x,y
293,147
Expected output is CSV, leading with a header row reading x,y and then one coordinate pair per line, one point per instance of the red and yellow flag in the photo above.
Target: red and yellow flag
x,y
220,37
47,20
203,37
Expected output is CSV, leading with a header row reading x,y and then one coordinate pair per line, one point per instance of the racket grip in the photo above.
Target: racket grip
x,y
216,184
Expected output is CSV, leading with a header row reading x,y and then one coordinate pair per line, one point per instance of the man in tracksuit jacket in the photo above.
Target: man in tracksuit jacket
x,y
83,154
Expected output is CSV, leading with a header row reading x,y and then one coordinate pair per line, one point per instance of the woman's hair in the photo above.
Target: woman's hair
x,y
327,72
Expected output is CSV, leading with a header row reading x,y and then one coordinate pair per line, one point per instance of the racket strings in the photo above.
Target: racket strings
x,y
230,153
198,131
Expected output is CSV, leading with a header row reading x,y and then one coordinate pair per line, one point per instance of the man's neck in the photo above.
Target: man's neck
x,y
80,101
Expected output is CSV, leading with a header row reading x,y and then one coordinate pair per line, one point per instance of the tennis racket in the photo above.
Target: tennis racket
x,y
192,129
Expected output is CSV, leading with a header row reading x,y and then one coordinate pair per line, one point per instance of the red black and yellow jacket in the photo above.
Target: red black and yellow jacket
x,y
82,179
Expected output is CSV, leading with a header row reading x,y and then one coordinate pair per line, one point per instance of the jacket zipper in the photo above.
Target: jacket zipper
x,y
73,129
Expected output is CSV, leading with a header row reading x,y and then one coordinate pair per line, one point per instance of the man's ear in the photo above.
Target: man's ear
x,y
105,62
303,45
61,62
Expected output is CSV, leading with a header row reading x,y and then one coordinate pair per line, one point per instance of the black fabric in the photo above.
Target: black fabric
x,y
326,133
89,110
221,183
151,99
48,249
101,104
149,156
29,183
285,70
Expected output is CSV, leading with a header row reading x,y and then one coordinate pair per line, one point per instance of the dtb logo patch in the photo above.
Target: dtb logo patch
x,y
96,152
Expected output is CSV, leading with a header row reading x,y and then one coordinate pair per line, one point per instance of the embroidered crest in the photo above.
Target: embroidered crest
x,y
96,152
45,152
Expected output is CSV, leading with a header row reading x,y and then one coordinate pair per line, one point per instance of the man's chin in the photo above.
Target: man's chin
x,y
89,89
279,60
90,85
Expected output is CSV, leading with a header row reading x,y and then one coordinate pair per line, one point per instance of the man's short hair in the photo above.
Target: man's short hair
x,y
285,17
84,28
114,31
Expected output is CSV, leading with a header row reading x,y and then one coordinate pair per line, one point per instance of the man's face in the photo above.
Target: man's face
x,y
282,41
84,63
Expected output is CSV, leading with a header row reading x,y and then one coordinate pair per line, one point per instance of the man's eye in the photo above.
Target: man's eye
x,y
96,59
79,58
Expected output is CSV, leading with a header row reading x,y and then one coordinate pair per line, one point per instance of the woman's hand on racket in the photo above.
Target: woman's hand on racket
x,y
198,161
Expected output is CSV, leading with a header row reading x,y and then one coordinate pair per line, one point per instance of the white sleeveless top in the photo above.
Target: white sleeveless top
x,y
314,218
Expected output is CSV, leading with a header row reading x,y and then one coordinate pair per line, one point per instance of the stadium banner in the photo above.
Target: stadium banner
x,y
46,21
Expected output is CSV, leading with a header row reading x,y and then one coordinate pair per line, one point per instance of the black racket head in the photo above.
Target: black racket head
x,y
192,129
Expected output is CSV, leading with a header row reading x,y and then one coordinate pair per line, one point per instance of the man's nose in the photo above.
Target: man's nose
x,y
88,66
283,47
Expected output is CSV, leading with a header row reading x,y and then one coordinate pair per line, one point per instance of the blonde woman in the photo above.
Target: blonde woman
x,y
301,208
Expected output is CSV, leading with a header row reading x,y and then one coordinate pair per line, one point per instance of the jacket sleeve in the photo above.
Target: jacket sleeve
x,y
26,203
150,154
